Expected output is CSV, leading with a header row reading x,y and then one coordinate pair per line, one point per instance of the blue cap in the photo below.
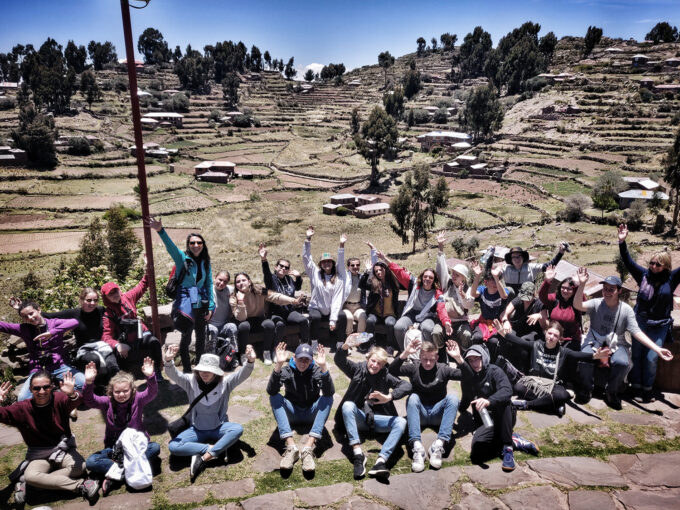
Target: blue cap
x,y
304,351
613,280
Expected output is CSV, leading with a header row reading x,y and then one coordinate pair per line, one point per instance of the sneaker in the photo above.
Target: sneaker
x,y
647,397
359,466
418,463
267,358
20,493
524,445
90,490
197,465
73,415
508,459
613,401
290,457
560,411
436,452
379,469
108,485
519,404
307,457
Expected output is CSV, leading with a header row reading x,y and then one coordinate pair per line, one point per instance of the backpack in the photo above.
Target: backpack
x,y
174,280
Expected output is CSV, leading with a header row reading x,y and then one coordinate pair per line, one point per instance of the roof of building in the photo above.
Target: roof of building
x,y
467,157
478,166
373,207
343,196
668,86
446,134
216,164
640,55
645,182
461,145
331,206
163,115
147,120
642,194
614,50
565,269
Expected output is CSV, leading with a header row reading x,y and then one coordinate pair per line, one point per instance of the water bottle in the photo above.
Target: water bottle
x,y
140,330
487,254
566,246
363,338
486,417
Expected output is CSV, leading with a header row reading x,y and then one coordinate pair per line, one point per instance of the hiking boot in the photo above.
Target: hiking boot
x,y
518,404
307,457
508,459
613,401
267,358
73,415
647,396
524,445
582,397
560,411
290,457
108,485
90,490
197,465
436,452
20,493
379,469
418,463
359,466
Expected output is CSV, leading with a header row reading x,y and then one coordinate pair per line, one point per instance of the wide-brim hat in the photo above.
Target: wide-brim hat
x,y
209,363
326,256
462,270
516,249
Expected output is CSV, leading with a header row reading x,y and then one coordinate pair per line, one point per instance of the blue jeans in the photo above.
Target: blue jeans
x,y
355,420
618,363
285,413
643,372
196,442
79,378
100,462
443,413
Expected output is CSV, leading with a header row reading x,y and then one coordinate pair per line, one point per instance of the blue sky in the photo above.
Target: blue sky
x,y
322,31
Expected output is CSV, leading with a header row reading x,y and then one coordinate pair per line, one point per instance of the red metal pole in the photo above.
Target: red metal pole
x,y
141,170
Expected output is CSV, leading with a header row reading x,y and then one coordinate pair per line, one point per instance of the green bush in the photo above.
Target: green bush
x,y
79,147
7,103
342,211
646,95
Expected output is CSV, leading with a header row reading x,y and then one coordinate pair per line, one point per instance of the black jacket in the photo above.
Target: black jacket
x,y
302,388
372,299
429,385
287,286
362,383
490,382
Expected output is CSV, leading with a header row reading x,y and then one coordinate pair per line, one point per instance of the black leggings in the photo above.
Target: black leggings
x,y
186,327
294,318
255,324
105,371
548,403
150,346
315,317
389,323
488,442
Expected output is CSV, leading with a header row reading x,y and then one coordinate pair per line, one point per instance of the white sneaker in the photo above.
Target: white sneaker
x,y
436,452
267,358
289,458
418,464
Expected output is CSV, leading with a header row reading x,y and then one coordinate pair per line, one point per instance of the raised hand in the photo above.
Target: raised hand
x,y
452,349
154,223
449,329
68,384
294,273
499,327
582,275
262,251
15,303
370,245
411,348
90,372
280,354
549,274
623,232
368,264
477,268
343,239
250,353
147,367
321,357
5,388
441,239
380,255
170,352
533,318
310,232
497,271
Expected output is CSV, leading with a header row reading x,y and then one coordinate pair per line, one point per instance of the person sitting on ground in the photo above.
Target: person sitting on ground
x,y
424,305
88,335
354,306
610,318
123,407
249,307
210,432
457,301
221,323
653,309
284,281
328,289
492,297
561,308
308,399
368,405
488,389
194,303
52,461
381,302
518,269
429,403
122,327
543,389
44,339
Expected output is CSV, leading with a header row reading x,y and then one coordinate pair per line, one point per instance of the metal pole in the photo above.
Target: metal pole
x,y
141,170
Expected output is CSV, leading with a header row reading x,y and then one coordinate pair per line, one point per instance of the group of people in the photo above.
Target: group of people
x,y
524,343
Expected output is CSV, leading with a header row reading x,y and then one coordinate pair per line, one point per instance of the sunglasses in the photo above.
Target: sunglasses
x,y
355,265
568,288
283,267
91,300
654,263
198,243
37,389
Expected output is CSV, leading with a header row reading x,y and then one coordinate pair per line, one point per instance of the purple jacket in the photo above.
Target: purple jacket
x,y
51,353
121,416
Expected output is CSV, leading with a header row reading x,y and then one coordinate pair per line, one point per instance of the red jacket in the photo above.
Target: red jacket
x,y
407,280
126,308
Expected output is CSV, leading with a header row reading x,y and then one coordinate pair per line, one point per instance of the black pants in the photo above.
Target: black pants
x,y
547,403
294,318
186,327
492,343
148,345
105,371
488,442
255,324
315,318
389,323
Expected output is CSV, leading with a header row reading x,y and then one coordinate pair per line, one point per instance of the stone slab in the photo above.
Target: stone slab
x,y
9,436
637,419
495,479
578,416
623,461
472,499
542,421
315,496
575,471
358,503
587,500
277,501
648,500
125,501
413,491
267,460
535,498
661,469
222,490
626,439
243,414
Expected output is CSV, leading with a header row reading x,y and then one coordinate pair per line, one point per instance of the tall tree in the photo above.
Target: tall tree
x,y
36,134
672,174
89,87
411,80
153,46
593,36
290,72
354,121
309,75
193,72
75,56
473,53
268,59
92,252
255,59
122,242
230,86
47,75
448,41
606,191
417,203
385,60
101,54
420,49
662,32
177,54
483,113
547,46
434,44
377,138
393,101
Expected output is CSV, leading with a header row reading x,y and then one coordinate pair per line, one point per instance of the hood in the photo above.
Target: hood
x,y
481,351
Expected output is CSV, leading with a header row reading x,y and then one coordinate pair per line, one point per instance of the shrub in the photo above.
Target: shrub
x,y
635,214
421,116
646,95
536,83
215,115
120,84
179,103
7,103
441,116
574,205
342,211
79,147
242,121
675,120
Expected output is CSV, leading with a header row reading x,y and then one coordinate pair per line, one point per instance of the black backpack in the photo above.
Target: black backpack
x,y
175,280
